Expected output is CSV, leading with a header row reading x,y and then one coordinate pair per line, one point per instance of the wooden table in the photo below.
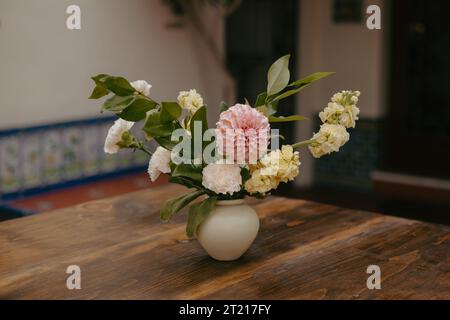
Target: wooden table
x,y
304,250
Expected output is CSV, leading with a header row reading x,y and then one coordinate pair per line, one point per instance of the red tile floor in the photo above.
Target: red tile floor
x,y
86,192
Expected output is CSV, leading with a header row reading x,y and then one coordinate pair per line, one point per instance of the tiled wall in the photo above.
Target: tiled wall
x,y
351,167
51,156
56,155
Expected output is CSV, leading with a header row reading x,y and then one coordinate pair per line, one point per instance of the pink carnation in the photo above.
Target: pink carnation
x,y
242,134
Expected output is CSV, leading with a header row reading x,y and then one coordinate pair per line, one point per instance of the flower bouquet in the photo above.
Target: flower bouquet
x,y
240,157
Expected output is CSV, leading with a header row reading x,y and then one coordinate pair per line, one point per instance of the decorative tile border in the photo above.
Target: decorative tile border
x,y
53,156
42,158
351,167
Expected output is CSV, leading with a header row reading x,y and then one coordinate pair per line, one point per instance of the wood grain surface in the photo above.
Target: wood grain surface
x,y
304,250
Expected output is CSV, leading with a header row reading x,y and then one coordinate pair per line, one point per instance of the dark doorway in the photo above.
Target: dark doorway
x,y
259,32
418,139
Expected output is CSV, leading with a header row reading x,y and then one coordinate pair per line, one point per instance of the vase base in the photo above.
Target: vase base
x,y
225,259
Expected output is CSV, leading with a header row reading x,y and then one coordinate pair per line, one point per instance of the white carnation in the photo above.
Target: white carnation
x,y
159,163
142,87
342,109
329,139
190,100
222,178
115,135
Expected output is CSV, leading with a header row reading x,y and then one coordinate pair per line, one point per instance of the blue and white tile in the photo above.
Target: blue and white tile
x,y
11,164
52,156
73,152
32,159
91,151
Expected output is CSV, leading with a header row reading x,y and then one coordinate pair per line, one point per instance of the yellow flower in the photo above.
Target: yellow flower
x,y
190,100
342,109
330,138
272,169
259,183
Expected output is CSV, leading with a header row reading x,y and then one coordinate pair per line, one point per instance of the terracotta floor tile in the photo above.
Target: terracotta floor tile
x,y
86,192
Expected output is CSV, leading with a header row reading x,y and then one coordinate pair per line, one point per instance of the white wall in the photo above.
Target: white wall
x,y
45,68
357,55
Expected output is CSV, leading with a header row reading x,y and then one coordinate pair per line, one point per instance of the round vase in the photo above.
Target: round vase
x,y
229,230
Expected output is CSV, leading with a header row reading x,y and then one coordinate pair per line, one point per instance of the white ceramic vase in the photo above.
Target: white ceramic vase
x,y
229,230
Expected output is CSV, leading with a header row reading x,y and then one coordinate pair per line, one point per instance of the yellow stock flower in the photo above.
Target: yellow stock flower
x,y
272,169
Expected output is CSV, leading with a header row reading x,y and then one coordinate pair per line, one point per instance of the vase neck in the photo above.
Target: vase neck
x,y
229,202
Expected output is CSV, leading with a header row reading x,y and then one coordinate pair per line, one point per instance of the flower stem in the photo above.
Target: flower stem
x,y
144,149
302,143
140,146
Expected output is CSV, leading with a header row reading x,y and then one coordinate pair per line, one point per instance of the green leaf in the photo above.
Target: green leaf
x,y
118,85
98,78
166,142
153,118
173,206
272,107
247,102
286,119
154,128
98,92
198,213
118,104
186,182
245,173
278,75
138,109
302,83
170,111
189,171
199,115
288,93
268,110
223,106
161,130
311,78
261,99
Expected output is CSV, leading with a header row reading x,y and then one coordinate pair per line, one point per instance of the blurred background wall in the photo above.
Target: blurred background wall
x,y
46,68
360,58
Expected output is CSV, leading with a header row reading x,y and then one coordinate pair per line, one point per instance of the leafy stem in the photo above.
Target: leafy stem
x,y
302,143
130,141
144,149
